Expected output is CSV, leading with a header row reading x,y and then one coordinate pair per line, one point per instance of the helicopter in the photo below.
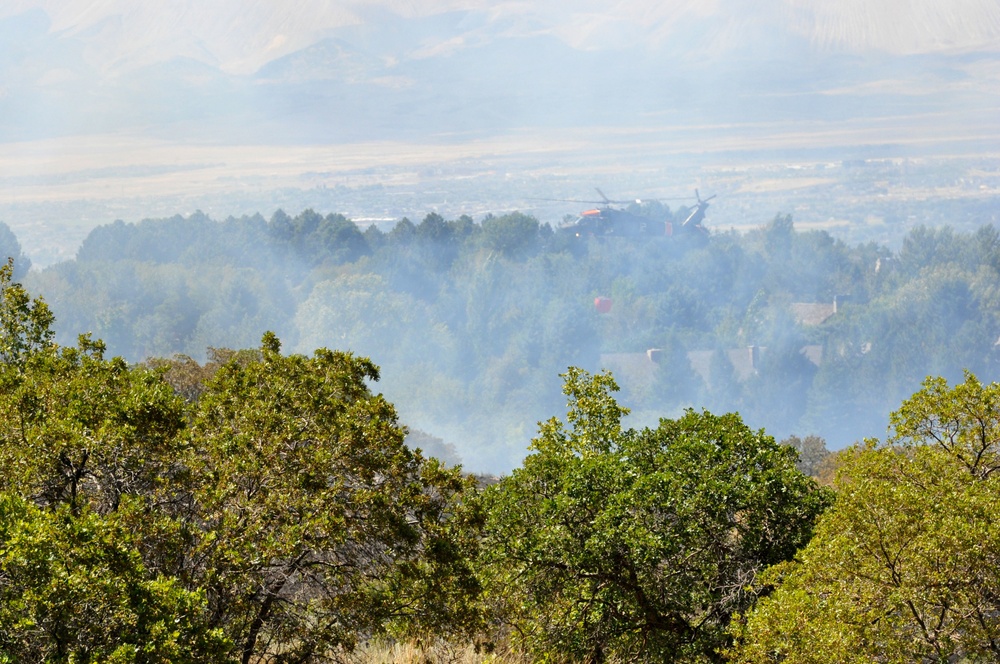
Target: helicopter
x,y
607,220
693,221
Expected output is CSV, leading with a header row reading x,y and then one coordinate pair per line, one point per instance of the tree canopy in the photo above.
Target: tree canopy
x,y
904,567
473,320
612,543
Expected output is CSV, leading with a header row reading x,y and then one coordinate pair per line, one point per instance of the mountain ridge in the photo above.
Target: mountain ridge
x,y
355,71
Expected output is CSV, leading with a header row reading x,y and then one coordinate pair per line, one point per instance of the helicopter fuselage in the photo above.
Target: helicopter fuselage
x,y
617,222
608,221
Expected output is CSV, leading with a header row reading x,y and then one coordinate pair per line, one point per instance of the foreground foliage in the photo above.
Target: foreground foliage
x,y
612,543
276,517
75,590
904,567
317,525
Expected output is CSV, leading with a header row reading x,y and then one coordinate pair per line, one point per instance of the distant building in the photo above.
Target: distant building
x,y
810,314
639,370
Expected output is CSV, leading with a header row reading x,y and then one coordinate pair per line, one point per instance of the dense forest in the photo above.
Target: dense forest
x,y
263,507
473,321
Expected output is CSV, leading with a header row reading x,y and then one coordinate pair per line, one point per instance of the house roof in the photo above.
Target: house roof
x,y
812,313
638,370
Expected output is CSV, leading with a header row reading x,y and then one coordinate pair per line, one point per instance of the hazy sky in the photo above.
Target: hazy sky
x,y
239,36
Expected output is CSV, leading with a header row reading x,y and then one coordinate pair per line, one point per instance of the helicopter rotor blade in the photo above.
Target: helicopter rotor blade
x,y
605,202
608,201
569,200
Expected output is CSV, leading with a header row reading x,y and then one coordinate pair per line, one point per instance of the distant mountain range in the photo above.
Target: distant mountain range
x,y
244,70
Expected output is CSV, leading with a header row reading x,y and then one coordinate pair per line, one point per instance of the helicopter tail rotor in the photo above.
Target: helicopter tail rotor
x,y
703,200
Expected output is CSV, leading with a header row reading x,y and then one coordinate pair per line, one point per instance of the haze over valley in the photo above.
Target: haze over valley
x,y
863,121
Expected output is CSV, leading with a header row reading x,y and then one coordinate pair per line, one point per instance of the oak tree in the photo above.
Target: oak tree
x,y
639,545
904,567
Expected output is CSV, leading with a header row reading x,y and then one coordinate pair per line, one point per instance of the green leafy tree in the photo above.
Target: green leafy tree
x,y
434,229
188,378
318,525
25,323
904,567
10,249
365,315
75,590
80,430
812,453
403,233
513,234
613,543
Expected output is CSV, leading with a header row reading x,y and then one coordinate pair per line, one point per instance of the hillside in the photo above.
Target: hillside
x,y
179,69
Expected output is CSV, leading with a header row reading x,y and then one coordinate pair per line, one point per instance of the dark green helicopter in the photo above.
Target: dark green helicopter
x,y
607,220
